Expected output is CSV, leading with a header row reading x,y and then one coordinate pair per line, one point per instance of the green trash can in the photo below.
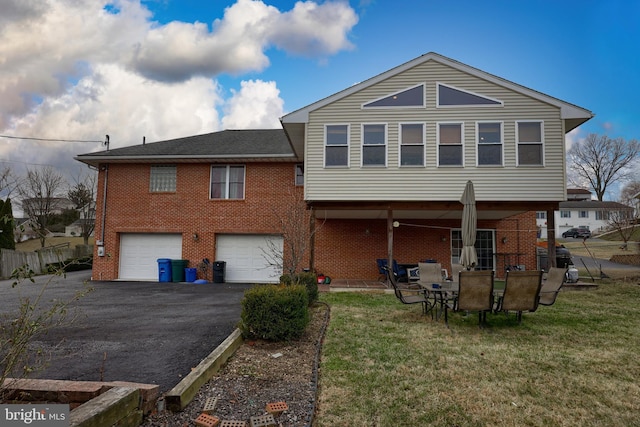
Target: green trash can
x,y
177,269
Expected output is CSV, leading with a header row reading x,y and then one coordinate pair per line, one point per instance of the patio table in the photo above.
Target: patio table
x,y
446,293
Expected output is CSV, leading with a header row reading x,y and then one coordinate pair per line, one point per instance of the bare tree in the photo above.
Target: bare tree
x,y
628,191
83,196
294,226
40,192
624,222
602,161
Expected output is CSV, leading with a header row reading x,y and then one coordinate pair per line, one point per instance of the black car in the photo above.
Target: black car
x,y
583,233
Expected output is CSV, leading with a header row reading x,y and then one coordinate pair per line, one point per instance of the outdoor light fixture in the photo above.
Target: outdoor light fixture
x,y
396,224
195,237
504,240
443,238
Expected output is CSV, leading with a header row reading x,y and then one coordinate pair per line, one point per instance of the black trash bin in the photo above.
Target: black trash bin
x,y
218,271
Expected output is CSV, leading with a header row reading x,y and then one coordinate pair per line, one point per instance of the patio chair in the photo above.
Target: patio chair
x,y
475,293
455,272
407,296
521,292
551,286
429,273
382,273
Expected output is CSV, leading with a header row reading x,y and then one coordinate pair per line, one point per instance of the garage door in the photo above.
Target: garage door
x,y
245,258
139,254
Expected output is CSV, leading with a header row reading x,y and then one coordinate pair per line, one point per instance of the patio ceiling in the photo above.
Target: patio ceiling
x,y
424,210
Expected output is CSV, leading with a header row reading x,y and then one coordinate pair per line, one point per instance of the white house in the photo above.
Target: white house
x,y
579,211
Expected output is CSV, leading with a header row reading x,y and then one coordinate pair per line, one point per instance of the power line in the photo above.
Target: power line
x,y
48,139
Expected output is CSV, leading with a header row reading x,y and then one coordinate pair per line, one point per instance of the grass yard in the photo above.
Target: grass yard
x,y
34,244
574,363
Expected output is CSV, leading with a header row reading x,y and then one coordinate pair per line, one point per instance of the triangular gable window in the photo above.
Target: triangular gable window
x,y
412,97
449,96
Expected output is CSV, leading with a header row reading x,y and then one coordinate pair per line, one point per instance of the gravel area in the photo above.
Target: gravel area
x,y
261,372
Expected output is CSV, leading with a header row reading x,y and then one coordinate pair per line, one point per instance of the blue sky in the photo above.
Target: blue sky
x,y
80,69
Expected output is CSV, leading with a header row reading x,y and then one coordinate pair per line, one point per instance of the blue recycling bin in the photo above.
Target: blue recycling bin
x,y
190,275
164,269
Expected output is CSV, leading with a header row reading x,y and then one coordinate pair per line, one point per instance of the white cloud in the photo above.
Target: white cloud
x,y
256,106
116,102
80,69
237,42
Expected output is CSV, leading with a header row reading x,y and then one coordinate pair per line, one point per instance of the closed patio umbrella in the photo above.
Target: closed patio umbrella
x,y
469,257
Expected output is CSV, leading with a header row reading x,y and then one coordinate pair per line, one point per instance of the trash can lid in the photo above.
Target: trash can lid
x,y
164,259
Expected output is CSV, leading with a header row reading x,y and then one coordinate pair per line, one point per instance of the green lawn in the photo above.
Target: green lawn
x,y
574,363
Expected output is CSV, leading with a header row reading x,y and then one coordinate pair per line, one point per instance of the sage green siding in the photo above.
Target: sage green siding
x,y
395,183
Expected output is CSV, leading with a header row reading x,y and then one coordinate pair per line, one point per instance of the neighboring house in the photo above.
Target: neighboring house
x,y
54,205
383,166
580,211
77,227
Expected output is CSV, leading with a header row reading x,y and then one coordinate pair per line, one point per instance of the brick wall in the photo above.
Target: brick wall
x,y
131,208
344,249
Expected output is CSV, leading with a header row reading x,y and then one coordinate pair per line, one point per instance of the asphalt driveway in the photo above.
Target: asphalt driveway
x,y
151,333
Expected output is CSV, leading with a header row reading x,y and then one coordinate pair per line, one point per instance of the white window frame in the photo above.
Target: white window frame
x,y
348,144
583,214
227,182
565,214
541,215
298,172
364,105
364,145
438,105
438,124
539,143
479,144
163,178
402,144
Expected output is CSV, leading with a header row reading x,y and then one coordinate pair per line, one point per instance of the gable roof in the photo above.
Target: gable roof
x,y
241,145
573,115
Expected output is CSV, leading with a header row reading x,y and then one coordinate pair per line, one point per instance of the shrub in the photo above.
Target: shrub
x,y
308,280
274,312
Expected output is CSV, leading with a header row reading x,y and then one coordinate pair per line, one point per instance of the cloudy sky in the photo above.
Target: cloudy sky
x,y
80,69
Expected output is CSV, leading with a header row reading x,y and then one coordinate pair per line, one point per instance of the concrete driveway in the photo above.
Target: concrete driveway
x,y
151,333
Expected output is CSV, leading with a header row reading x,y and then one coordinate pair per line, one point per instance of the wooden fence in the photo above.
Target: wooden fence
x,y
38,260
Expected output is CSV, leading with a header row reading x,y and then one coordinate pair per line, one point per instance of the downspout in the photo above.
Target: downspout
x,y
104,202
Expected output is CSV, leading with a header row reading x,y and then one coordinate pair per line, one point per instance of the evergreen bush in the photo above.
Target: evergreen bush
x,y
274,312
308,280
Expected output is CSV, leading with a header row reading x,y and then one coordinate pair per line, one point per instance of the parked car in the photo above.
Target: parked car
x,y
579,232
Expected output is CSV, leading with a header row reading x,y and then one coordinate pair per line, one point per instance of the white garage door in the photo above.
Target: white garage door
x,y
245,257
139,254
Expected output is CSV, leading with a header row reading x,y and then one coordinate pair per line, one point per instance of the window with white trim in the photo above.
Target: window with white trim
x,y
300,174
602,215
227,182
374,144
450,141
336,145
163,179
489,138
411,144
583,214
449,96
541,215
565,214
529,135
407,98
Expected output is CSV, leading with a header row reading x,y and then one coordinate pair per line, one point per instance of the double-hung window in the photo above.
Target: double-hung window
x,y
565,214
411,144
489,136
583,214
300,174
162,179
450,144
529,135
374,145
336,145
227,182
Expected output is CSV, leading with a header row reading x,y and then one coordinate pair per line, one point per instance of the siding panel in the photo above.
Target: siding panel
x,y
507,182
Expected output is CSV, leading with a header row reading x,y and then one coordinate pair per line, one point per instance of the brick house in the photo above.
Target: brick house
x,y
381,165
